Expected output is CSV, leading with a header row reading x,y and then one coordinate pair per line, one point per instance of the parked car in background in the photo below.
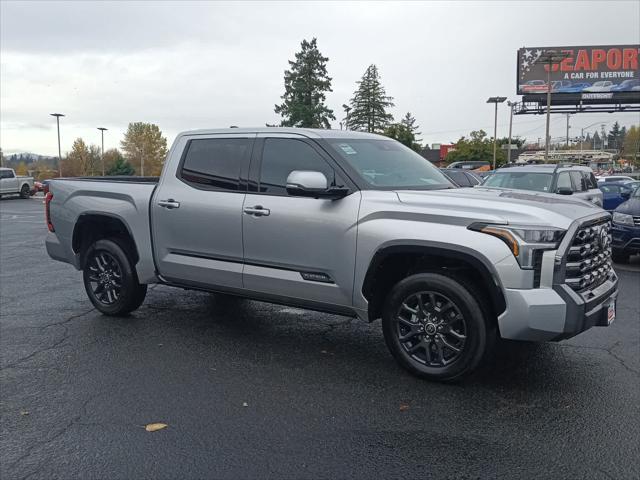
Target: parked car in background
x,y
613,194
345,222
559,84
534,86
626,229
567,180
626,86
12,184
601,86
575,88
462,178
614,178
470,165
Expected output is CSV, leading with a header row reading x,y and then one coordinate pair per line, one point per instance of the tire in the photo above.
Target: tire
x,y
435,328
25,191
620,256
110,279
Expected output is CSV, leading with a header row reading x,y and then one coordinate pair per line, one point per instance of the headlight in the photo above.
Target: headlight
x,y
622,219
523,241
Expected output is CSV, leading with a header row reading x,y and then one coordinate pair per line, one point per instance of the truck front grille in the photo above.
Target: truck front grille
x,y
589,256
636,221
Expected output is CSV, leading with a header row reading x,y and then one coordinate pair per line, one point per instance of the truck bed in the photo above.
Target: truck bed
x,y
123,198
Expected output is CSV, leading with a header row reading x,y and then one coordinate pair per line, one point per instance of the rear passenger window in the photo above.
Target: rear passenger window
x,y
215,163
591,181
281,156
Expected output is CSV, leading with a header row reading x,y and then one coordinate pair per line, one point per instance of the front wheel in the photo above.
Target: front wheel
x,y
110,279
434,327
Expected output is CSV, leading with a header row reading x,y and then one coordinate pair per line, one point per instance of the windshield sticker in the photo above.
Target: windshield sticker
x,y
346,148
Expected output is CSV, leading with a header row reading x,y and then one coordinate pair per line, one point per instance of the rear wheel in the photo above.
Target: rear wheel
x,y
110,279
434,327
25,191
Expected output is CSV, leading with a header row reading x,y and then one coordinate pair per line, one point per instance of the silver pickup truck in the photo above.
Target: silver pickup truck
x,y
348,223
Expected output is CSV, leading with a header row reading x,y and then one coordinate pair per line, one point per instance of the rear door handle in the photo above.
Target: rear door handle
x,y
257,210
170,204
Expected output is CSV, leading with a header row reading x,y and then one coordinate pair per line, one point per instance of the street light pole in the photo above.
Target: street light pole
x,y
102,129
347,109
496,101
549,58
58,115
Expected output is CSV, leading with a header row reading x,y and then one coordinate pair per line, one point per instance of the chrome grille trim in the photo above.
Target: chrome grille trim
x,y
589,256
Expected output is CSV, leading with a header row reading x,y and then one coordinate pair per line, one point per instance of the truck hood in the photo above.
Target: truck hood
x,y
498,205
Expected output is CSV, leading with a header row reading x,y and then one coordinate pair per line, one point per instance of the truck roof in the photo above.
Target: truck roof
x,y
308,132
546,168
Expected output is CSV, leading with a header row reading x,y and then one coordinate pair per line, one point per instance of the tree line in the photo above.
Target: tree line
x,y
306,84
142,152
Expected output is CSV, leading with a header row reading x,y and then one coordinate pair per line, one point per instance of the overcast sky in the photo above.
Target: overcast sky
x,y
214,64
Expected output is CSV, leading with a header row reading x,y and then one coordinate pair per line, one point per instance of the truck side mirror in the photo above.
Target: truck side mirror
x,y
308,183
564,191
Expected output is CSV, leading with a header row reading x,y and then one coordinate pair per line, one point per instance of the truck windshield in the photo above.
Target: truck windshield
x,y
539,182
388,165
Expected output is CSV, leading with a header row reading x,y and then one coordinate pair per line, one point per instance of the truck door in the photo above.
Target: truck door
x,y
297,247
196,211
8,181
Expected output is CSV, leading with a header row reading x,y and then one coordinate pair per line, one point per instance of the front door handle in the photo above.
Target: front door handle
x,y
170,204
258,211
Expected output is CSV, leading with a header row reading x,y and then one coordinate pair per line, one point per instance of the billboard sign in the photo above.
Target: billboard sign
x,y
597,73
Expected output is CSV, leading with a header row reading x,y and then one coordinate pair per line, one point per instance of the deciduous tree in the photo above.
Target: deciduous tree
x,y
478,147
145,148
77,162
305,87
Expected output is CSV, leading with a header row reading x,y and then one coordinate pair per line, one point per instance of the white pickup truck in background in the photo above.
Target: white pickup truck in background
x,y
11,184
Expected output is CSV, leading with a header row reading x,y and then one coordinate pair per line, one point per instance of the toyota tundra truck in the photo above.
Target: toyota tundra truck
x,y
344,222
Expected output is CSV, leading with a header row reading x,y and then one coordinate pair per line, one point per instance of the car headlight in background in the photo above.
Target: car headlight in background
x,y
523,241
622,219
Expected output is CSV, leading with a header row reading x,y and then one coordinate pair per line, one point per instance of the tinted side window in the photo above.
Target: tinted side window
x,y
6,174
578,181
215,163
592,182
281,156
564,181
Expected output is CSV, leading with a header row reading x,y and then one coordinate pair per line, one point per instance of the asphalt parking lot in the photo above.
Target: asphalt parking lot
x,y
252,390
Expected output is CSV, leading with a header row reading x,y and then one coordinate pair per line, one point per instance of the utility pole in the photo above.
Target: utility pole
x,y
347,109
602,137
568,126
58,115
102,129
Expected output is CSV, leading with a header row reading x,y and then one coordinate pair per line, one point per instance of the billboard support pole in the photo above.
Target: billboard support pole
x,y
511,105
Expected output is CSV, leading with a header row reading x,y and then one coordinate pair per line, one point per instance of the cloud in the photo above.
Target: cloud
x,y
214,64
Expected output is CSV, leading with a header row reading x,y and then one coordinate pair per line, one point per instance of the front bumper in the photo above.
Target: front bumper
x,y
545,314
625,238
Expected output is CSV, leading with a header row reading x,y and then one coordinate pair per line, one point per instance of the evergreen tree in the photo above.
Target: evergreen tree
x,y
369,104
401,133
409,121
597,142
121,167
616,136
305,87
145,148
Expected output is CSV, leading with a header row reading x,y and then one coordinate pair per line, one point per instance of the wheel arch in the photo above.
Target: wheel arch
x,y
394,262
90,227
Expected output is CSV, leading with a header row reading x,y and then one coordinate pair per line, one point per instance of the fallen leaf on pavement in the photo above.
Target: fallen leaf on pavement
x,y
24,412
245,404
404,408
152,427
